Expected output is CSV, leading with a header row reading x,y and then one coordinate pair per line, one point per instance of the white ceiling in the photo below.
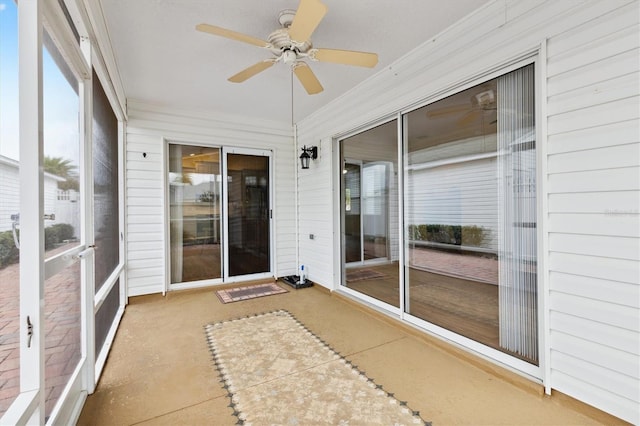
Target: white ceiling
x,y
163,60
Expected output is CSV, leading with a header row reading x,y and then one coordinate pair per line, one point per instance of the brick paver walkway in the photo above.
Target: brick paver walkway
x,y
477,268
62,332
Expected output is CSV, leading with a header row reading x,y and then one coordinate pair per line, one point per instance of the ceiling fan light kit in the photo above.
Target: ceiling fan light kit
x,y
292,43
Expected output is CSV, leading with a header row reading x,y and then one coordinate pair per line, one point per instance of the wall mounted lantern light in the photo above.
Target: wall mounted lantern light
x,y
308,154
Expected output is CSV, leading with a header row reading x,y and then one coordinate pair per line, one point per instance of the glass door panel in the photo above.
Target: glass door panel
x,y
375,209
9,209
62,219
195,213
470,214
248,210
370,226
352,216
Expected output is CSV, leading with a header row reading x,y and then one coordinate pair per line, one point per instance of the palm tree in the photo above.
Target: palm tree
x,y
184,178
65,169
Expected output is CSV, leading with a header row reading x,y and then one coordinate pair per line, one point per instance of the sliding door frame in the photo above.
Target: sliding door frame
x,y
339,206
225,216
168,285
540,373
224,231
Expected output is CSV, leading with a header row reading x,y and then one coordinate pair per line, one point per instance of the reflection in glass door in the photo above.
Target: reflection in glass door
x,y
62,224
218,228
248,213
194,200
370,226
352,222
470,214
10,193
375,210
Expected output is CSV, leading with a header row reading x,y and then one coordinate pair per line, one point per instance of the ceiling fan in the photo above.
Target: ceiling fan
x,y
470,111
292,43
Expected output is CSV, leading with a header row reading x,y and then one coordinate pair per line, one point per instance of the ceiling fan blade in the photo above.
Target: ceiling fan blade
x,y
433,112
233,35
307,19
307,78
347,57
470,118
251,71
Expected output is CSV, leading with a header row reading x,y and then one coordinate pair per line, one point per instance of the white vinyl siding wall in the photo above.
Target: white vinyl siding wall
x,y
590,183
148,129
463,193
10,190
594,233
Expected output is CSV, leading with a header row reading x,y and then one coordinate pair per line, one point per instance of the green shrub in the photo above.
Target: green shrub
x,y
56,234
474,236
64,231
53,235
50,237
8,252
468,235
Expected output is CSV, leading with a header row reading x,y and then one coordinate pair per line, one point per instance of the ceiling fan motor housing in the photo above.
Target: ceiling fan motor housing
x,y
281,42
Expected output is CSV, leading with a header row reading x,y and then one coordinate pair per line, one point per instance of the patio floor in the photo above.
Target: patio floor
x,y
160,370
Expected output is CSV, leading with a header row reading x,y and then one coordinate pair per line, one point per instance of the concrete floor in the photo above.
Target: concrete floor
x,y
160,370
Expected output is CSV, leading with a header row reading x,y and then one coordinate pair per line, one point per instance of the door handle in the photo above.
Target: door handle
x,y
29,331
86,252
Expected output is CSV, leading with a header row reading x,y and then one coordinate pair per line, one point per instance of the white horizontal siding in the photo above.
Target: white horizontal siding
x,y
9,194
147,129
595,245
463,194
592,171
315,215
594,152
601,289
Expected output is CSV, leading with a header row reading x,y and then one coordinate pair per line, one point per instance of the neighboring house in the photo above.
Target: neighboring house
x,y
10,188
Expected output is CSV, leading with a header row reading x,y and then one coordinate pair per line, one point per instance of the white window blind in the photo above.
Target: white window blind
x,y
517,213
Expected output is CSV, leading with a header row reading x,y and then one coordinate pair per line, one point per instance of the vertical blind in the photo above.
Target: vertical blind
x,y
517,213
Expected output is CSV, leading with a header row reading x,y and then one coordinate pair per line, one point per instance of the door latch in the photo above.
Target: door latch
x,y
29,331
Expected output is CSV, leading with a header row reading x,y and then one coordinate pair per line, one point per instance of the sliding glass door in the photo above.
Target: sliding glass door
x,y
470,214
468,268
369,207
247,202
195,190
218,227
